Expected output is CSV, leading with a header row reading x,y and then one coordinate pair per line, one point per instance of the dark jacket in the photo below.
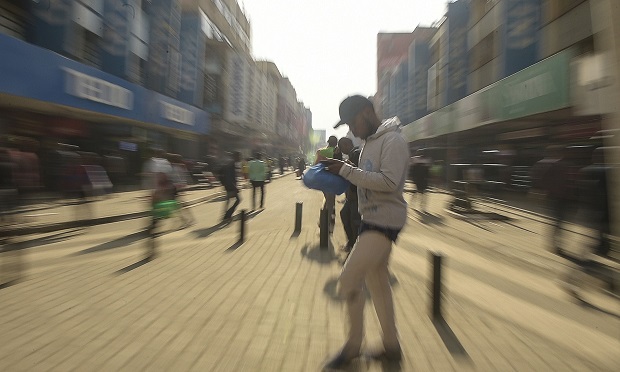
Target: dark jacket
x,y
228,177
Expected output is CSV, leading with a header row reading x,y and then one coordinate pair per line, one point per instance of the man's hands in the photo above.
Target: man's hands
x,y
333,165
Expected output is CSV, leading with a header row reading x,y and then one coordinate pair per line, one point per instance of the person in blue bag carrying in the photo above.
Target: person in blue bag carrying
x,y
380,179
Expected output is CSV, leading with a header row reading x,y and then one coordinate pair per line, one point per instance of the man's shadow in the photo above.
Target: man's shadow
x,y
428,218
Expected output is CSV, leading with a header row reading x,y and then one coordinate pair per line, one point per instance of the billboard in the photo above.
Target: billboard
x,y
419,65
458,17
51,20
193,41
115,42
238,76
521,34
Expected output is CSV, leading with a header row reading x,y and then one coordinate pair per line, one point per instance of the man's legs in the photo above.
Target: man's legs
x,y
369,255
228,196
254,186
262,194
378,284
231,210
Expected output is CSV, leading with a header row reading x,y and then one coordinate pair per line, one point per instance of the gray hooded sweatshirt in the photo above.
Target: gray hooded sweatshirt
x,y
381,176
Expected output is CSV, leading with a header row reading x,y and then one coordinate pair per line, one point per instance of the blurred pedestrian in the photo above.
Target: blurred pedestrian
x,y
281,163
420,168
181,178
596,202
325,153
349,213
550,177
380,179
157,163
301,166
258,172
228,178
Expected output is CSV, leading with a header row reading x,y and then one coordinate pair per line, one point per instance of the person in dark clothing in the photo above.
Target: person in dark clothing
x,y
281,163
301,166
550,175
594,191
419,174
228,177
349,213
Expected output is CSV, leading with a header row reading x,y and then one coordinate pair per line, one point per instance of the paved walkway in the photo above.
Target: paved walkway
x,y
208,303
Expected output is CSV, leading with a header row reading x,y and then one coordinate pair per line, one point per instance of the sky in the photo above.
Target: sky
x,y
328,48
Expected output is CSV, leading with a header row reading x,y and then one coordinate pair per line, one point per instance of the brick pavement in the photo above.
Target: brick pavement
x,y
269,304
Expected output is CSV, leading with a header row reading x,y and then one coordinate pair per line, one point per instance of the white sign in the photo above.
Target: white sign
x,y
176,113
98,90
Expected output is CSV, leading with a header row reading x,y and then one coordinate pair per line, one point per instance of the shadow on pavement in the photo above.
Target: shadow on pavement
x,y
234,246
315,253
116,243
449,339
203,233
252,213
429,218
12,266
50,239
135,265
218,199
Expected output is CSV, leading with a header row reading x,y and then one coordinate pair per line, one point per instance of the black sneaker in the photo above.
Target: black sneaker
x,y
339,361
385,355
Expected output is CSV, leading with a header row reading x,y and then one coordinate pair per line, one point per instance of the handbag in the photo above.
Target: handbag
x,y
318,178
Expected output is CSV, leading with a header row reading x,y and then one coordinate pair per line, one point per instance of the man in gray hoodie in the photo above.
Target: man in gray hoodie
x,y
380,179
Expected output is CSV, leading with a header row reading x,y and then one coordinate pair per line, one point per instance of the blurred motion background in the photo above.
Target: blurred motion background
x,y
88,86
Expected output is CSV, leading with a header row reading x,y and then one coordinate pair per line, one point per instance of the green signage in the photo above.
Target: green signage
x,y
541,87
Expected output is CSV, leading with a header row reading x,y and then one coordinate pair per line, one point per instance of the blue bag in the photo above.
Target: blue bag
x,y
317,178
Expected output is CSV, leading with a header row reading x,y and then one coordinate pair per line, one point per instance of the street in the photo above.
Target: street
x,y
86,298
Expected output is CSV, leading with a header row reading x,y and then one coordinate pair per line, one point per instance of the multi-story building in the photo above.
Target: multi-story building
x,y
111,76
252,106
534,78
74,72
392,50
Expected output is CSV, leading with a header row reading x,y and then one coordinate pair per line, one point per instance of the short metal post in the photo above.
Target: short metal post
x,y
298,210
436,285
242,227
324,228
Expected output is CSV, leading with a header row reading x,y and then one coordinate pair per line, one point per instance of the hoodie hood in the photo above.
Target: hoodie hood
x,y
388,125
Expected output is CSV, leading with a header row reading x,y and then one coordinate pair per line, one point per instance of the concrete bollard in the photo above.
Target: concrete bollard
x,y
242,227
324,227
436,285
298,209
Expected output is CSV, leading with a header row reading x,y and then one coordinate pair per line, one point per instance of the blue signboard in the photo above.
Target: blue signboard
x,y
36,73
163,110
521,34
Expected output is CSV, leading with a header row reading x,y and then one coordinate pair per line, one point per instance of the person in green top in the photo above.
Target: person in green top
x,y
258,171
329,152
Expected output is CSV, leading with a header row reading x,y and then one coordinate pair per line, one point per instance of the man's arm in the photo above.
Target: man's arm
x,y
394,164
318,157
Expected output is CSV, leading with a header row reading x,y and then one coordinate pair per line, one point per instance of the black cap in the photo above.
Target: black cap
x,y
350,107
